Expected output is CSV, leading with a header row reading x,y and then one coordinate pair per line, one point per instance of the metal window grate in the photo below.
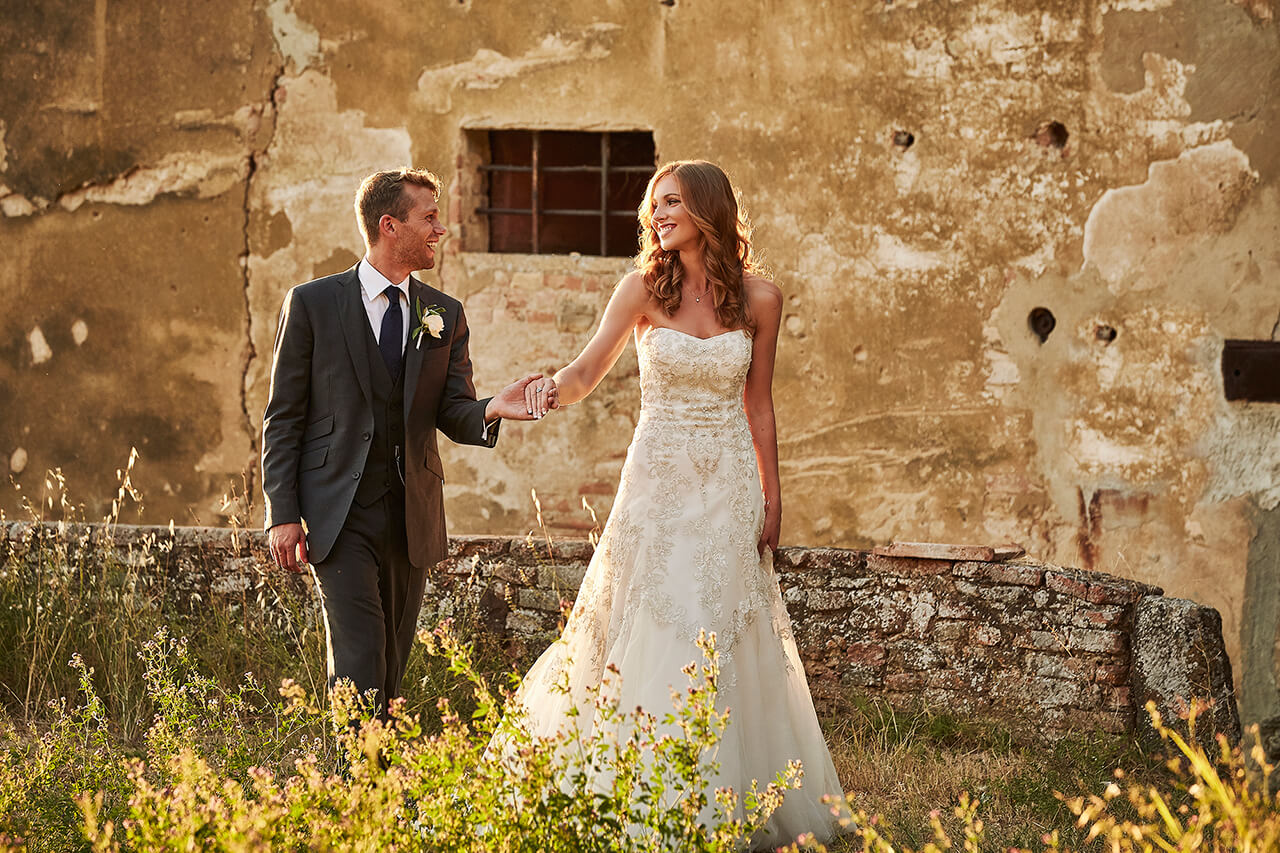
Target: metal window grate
x,y
543,188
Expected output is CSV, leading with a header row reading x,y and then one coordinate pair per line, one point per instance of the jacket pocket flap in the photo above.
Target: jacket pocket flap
x,y
313,458
433,464
319,428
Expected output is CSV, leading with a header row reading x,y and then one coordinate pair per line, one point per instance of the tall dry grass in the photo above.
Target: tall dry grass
x,y
128,718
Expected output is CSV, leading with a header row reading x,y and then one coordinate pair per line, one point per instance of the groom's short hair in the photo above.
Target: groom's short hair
x,y
383,193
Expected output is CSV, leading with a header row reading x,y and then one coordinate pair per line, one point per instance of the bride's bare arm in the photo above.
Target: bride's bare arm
x,y
765,300
626,306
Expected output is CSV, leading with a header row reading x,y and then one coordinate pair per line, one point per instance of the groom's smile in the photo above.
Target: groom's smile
x,y
420,231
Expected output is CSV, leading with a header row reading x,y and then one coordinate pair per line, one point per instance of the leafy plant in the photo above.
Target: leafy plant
x,y
637,783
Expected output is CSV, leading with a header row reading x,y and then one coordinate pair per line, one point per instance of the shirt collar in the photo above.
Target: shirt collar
x,y
373,282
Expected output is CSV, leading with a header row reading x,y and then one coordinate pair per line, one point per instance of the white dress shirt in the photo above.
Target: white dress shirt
x,y
372,283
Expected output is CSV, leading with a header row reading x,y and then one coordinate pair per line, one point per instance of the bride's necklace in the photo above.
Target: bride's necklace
x,y
698,298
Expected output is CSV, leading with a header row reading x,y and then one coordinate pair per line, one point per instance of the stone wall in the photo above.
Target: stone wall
x,y
923,177
1045,649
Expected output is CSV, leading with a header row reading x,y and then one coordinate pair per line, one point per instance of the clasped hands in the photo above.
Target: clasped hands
x,y
526,399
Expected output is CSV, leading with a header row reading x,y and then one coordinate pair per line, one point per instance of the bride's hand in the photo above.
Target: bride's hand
x,y
541,396
511,402
772,526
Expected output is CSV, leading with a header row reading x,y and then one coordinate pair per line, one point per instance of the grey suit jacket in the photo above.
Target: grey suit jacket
x,y
319,421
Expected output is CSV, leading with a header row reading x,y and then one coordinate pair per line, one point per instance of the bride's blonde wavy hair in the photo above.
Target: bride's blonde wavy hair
x,y
712,204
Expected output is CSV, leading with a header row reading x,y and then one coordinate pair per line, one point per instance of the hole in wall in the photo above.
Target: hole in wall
x,y
1041,322
903,139
1105,333
1052,134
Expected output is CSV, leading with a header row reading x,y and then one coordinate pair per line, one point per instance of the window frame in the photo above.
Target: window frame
x,y
535,169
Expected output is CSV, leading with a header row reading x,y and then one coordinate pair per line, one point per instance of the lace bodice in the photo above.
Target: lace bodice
x,y
693,381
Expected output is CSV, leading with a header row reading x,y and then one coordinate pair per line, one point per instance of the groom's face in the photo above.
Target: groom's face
x,y
418,235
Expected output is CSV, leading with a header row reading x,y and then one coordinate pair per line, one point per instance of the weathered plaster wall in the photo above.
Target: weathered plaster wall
x,y
169,173
127,135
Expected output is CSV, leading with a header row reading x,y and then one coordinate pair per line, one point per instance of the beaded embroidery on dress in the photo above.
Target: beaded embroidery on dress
x,y
678,554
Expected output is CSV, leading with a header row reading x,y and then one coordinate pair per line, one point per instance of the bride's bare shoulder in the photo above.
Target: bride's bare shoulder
x,y
632,282
633,292
762,293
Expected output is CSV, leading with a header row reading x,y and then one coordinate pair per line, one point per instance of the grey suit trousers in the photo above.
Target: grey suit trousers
x,y
376,594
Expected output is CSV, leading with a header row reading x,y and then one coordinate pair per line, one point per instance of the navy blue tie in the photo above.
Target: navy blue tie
x,y
391,340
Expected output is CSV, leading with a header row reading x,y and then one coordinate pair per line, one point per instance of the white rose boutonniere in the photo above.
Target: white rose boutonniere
x,y
430,321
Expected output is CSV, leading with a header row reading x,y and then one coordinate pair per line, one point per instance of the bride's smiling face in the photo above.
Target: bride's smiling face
x,y
672,223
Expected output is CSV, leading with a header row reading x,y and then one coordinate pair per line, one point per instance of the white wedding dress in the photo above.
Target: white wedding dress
x,y
678,554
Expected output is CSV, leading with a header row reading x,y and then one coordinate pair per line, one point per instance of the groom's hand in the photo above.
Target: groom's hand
x,y
510,403
288,546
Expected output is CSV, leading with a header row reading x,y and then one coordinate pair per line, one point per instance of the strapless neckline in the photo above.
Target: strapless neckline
x,y
653,329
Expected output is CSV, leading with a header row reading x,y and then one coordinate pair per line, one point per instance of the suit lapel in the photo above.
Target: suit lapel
x,y
413,356
355,328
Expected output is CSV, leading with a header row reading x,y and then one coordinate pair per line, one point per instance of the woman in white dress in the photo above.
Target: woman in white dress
x,y
689,543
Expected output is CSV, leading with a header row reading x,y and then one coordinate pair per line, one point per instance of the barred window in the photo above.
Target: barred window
x,y
555,192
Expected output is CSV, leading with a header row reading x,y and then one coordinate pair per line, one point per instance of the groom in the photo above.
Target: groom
x,y
367,365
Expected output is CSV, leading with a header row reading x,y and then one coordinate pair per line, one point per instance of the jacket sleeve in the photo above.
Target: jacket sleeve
x,y
461,415
285,416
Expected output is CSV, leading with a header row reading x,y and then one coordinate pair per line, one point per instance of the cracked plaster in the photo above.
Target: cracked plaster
x,y
317,157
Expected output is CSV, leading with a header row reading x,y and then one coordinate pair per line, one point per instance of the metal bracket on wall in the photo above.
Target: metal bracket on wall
x,y
1251,371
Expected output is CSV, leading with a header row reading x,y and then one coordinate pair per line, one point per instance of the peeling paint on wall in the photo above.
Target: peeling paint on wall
x,y
12,204
185,173
40,351
488,69
1134,235
297,41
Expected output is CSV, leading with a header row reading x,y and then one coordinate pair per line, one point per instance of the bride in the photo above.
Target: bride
x,y
689,542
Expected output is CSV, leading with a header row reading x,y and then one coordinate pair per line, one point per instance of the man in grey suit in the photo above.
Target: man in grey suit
x,y
367,365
